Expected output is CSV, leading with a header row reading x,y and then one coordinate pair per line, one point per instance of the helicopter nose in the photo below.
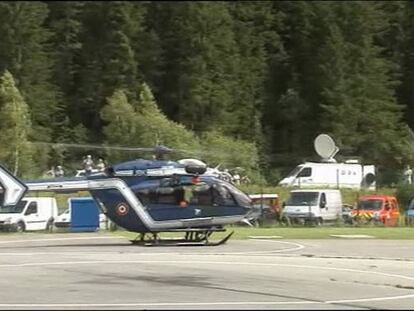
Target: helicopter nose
x,y
252,211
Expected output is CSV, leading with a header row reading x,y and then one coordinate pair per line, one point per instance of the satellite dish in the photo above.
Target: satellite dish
x,y
325,147
369,179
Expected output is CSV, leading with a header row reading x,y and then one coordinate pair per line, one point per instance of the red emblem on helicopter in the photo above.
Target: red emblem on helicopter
x,y
122,209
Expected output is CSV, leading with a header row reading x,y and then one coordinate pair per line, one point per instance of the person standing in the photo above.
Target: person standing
x,y
88,164
59,172
100,165
236,179
408,173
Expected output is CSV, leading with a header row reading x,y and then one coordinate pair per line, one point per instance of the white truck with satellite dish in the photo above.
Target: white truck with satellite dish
x,y
329,173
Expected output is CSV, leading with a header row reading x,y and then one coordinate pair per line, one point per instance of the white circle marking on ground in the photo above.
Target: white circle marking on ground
x,y
296,247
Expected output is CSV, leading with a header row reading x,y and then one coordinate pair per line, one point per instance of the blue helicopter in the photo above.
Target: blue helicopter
x,y
152,196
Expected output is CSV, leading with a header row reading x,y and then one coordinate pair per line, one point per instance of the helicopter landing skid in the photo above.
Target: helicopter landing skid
x,y
193,237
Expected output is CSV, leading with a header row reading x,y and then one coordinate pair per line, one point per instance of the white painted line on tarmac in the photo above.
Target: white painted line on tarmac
x,y
265,237
296,246
352,236
59,239
371,299
176,304
155,304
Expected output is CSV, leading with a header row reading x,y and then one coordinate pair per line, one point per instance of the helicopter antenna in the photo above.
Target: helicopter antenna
x,y
160,151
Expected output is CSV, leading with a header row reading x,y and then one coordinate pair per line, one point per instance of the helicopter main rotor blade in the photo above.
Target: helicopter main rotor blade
x,y
87,146
158,150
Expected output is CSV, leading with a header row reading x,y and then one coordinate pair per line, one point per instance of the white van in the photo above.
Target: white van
x,y
350,174
313,205
29,214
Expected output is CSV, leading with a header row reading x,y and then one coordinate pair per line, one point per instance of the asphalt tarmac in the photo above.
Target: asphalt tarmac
x,y
102,271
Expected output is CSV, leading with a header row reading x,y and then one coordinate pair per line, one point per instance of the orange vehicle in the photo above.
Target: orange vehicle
x,y
267,206
377,208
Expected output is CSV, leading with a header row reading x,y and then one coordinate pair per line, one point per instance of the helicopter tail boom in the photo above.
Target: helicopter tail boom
x,y
13,188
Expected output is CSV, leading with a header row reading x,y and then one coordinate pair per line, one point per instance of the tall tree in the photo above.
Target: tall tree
x,y
402,50
15,126
157,128
120,127
142,124
255,26
108,59
292,92
358,89
65,22
25,52
199,53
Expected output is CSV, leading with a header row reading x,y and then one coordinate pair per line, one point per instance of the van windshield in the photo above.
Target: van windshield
x,y
295,171
370,205
302,198
16,209
411,207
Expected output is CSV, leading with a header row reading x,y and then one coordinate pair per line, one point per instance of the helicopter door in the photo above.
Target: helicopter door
x,y
200,200
165,203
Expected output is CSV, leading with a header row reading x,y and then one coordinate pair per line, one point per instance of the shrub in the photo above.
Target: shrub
x,y
404,195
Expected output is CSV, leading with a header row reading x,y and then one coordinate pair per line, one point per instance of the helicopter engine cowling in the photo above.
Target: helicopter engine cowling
x,y
195,169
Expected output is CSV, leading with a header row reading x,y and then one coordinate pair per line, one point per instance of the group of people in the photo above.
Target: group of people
x,y
88,166
235,178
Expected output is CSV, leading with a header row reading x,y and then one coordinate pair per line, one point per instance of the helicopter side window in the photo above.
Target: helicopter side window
x,y
166,195
143,195
201,195
161,195
222,196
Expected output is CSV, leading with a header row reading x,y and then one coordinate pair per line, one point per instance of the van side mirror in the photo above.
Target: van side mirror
x,y
322,204
283,204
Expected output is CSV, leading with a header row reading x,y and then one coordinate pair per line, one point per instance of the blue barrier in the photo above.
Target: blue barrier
x,y
84,214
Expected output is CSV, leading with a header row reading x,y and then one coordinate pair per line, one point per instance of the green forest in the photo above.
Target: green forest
x,y
245,84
